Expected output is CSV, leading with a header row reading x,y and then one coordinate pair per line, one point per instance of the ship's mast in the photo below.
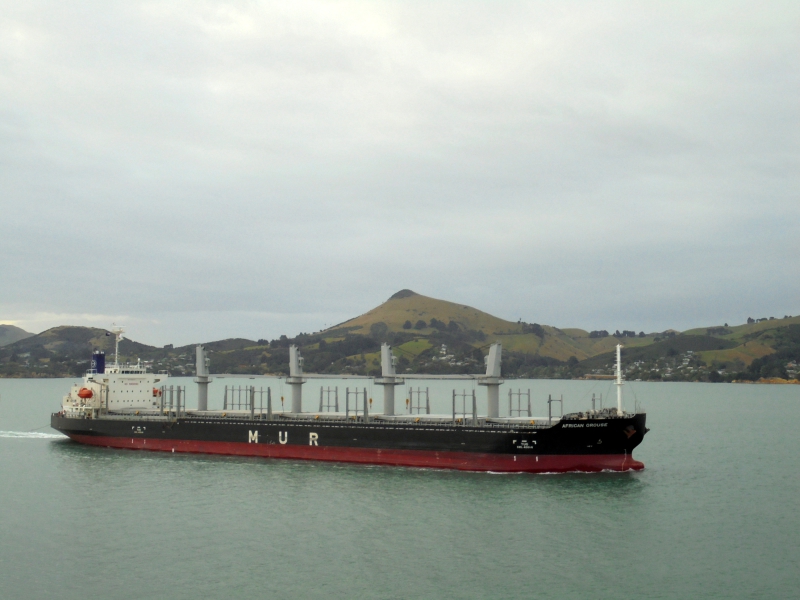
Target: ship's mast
x,y
117,331
202,380
619,379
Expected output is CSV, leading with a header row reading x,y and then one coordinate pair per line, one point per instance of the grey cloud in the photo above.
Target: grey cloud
x,y
245,166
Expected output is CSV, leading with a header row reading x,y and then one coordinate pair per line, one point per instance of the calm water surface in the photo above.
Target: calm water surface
x,y
714,514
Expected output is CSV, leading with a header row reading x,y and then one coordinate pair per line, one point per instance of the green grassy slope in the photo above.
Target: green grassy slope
x,y
747,342
410,306
672,346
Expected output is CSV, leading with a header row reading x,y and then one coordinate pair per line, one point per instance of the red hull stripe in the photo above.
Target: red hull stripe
x,y
465,461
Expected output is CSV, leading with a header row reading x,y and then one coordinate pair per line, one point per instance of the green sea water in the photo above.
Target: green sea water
x,y
715,514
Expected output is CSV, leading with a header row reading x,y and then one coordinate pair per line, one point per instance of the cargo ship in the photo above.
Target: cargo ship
x,y
129,407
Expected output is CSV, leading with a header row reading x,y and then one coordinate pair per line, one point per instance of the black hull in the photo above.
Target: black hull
x,y
570,445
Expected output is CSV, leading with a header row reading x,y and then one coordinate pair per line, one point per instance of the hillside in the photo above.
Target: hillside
x,y
408,313
766,349
415,312
438,336
10,334
61,351
429,335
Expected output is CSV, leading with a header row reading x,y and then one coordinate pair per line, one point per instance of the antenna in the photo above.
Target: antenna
x,y
619,379
117,330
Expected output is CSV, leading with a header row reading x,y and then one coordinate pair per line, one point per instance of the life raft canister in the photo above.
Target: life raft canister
x,y
156,392
85,393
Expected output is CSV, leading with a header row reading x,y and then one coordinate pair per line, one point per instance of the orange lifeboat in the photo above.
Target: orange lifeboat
x,y
85,393
156,392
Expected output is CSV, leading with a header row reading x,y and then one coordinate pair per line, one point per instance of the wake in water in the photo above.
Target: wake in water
x,y
31,435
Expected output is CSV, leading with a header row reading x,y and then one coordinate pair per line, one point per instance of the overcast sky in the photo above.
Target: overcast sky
x,y
202,170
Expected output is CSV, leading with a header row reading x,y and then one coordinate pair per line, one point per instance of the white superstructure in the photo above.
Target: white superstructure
x,y
118,388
